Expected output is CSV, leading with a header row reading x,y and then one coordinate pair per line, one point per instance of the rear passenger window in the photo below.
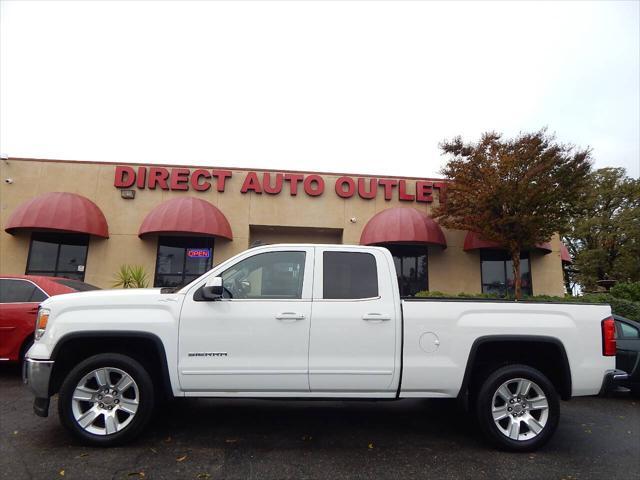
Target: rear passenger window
x,y
349,275
628,331
19,291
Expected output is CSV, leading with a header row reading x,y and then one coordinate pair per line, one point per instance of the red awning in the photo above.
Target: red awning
x,y
565,256
402,225
473,242
61,212
186,215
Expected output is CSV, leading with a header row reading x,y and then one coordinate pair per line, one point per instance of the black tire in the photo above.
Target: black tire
x,y
145,407
485,404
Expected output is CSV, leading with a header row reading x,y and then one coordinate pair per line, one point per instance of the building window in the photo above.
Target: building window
x,y
411,268
182,259
58,255
497,273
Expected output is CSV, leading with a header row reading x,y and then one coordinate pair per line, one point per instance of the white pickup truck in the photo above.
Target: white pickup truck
x,y
313,321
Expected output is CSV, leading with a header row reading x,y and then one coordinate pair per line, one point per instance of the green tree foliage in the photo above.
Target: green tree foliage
x,y
131,276
517,192
604,235
628,291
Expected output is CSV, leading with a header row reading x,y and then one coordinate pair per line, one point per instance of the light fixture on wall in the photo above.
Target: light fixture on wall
x,y
353,219
128,194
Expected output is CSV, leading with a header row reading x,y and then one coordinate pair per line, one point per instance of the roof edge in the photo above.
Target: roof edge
x,y
219,167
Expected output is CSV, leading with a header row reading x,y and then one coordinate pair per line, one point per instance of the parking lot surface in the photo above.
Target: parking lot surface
x,y
209,439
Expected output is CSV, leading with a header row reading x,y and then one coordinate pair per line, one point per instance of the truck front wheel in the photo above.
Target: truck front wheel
x,y
518,408
106,400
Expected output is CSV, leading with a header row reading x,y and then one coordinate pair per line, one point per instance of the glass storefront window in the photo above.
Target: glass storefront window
x,y
182,259
497,273
411,268
58,255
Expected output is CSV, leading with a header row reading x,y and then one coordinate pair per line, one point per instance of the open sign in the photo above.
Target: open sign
x,y
198,252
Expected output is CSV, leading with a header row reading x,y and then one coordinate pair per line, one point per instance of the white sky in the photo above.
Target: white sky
x,y
359,87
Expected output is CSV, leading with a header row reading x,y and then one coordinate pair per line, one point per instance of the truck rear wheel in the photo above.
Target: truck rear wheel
x,y
518,408
106,400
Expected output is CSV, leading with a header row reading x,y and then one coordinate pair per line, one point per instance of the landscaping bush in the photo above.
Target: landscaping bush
x,y
620,306
627,291
131,276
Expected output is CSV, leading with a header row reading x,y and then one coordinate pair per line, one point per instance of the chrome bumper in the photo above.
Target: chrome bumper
x,y
37,374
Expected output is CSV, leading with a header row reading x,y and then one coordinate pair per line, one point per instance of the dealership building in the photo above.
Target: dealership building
x,y
84,220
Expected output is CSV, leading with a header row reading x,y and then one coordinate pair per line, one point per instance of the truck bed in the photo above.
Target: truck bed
x,y
442,340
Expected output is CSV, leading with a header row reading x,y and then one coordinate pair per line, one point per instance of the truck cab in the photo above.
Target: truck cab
x,y
265,339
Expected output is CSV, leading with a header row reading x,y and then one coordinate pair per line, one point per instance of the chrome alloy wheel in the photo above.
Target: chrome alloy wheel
x,y
105,401
520,409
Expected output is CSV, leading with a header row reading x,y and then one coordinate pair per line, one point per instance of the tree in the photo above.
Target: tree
x,y
517,192
604,236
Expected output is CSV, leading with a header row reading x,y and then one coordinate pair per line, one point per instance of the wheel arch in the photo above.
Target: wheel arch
x,y
26,342
494,350
145,347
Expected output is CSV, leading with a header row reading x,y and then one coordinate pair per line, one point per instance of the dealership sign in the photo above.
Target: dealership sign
x,y
202,180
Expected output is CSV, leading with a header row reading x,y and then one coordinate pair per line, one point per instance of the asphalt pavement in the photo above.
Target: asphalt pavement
x,y
598,438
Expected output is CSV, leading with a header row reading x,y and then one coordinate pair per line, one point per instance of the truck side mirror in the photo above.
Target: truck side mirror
x,y
213,290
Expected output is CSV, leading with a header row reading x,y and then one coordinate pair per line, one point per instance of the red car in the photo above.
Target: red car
x,y
20,296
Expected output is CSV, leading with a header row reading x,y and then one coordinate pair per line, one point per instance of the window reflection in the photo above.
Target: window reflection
x,y
497,273
58,255
272,275
181,260
411,268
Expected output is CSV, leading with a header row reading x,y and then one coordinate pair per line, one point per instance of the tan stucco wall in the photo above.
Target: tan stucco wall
x,y
452,270
324,218
546,271
270,235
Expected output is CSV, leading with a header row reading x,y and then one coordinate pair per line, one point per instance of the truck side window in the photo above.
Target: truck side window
x,y
272,275
349,275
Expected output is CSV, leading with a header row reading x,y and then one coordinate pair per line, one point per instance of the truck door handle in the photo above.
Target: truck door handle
x,y
290,316
376,317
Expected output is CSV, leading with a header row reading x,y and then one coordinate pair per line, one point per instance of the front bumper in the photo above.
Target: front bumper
x,y
37,375
612,380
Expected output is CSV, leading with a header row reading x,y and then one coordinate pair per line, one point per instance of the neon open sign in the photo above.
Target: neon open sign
x,y
198,252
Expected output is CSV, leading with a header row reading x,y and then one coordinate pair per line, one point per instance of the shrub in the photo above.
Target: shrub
x,y
437,294
131,276
620,306
625,308
427,293
627,291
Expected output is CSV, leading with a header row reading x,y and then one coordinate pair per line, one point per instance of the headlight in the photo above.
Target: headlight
x,y
41,322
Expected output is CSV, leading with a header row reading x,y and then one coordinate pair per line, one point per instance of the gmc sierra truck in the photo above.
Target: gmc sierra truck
x,y
313,321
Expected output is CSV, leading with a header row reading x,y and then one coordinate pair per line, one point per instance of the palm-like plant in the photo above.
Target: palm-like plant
x,y
131,276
